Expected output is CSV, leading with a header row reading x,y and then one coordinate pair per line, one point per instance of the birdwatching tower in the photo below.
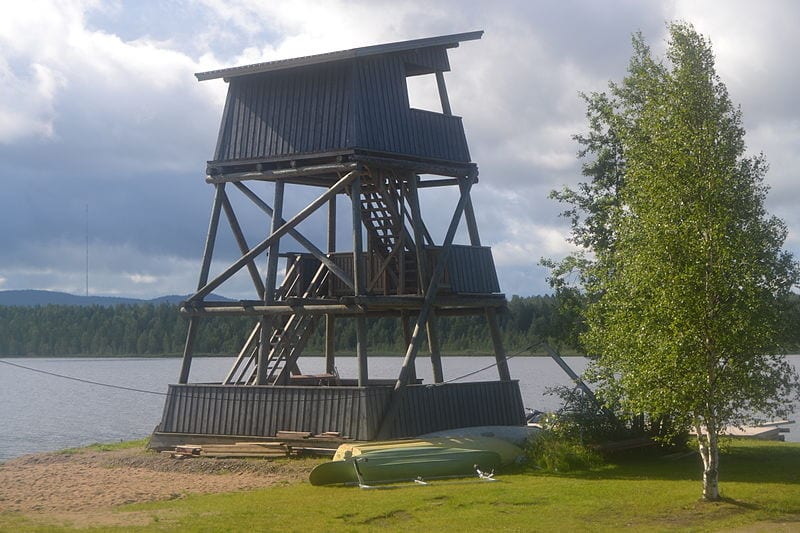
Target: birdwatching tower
x,y
337,129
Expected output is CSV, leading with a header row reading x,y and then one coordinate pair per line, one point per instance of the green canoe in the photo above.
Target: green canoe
x,y
404,464
508,452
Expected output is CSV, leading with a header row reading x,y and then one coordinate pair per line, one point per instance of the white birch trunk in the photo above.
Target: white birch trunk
x,y
708,444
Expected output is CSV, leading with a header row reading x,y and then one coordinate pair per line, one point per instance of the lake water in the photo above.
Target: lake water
x,y
40,412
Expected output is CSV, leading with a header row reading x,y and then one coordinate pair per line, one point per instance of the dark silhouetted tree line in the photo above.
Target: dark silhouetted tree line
x,y
150,329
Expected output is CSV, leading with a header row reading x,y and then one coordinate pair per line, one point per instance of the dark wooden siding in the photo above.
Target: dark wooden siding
x,y
386,123
205,409
425,60
287,113
425,409
263,411
470,269
361,104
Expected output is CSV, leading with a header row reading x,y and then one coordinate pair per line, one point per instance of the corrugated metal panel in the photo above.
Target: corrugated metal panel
x,y
386,123
441,42
333,107
263,411
470,269
426,60
296,112
433,408
353,411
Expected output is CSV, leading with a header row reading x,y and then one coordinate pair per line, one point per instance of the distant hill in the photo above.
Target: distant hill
x,y
32,298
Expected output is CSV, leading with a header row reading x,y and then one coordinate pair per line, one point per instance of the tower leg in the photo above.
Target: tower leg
x,y
361,351
433,344
186,364
406,324
497,341
330,344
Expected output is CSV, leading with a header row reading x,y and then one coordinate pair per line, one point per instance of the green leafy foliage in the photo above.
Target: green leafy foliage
x,y
687,292
552,451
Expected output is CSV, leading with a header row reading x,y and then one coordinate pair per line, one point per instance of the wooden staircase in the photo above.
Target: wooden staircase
x,y
290,334
383,213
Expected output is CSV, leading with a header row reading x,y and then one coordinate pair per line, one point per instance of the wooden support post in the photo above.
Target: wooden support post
x,y
497,342
243,248
359,279
406,324
443,93
296,235
361,351
267,324
433,344
472,224
332,225
330,344
424,313
416,221
274,249
208,252
330,320
188,349
266,243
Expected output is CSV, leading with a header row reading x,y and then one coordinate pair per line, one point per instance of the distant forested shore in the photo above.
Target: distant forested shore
x,y
149,329
154,329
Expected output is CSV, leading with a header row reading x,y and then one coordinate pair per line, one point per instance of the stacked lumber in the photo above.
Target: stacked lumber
x,y
239,449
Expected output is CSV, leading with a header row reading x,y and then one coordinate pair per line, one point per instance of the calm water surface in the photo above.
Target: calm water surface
x,y
40,412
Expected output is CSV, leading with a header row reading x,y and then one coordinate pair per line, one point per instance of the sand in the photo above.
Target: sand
x,y
85,488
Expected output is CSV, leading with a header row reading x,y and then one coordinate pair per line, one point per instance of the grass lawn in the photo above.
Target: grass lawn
x,y
760,482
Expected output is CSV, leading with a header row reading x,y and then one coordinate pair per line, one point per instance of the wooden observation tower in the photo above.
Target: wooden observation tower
x,y
338,127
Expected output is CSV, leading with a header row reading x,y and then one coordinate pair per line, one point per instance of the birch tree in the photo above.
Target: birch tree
x,y
686,276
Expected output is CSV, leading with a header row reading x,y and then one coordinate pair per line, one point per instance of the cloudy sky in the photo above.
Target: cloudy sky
x,y
100,112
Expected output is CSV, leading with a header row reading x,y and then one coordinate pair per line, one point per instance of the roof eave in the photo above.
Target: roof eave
x,y
449,41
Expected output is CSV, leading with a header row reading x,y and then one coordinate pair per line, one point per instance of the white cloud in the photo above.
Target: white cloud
x,y
142,278
98,104
526,243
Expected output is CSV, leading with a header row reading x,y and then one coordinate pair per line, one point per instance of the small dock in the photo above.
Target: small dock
x,y
772,430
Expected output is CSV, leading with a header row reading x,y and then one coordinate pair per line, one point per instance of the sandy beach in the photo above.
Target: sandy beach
x,y
85,488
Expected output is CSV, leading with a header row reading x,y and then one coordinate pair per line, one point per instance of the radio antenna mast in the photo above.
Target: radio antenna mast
x,y
87,250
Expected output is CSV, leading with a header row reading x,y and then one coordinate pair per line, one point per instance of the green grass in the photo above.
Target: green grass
x,y
760,482
108,446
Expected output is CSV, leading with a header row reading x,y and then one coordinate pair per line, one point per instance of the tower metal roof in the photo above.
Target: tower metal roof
x,y
449,41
